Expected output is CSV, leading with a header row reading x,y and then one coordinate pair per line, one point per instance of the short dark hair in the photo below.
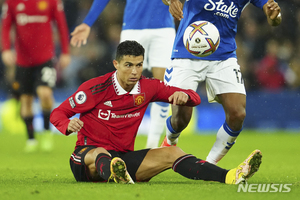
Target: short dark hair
x,y
129,47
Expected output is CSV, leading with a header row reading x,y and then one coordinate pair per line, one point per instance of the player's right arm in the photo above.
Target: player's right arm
x,y
82,31
81,101
74,125
8,56
175,8
179,98
273,13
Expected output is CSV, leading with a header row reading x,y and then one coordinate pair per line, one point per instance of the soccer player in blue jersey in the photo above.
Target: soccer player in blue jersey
x,y
150,24
220,71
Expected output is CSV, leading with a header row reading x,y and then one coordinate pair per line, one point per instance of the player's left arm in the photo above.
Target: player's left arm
x,y
184,97
174,95
179,98
61,22
74,125
273,12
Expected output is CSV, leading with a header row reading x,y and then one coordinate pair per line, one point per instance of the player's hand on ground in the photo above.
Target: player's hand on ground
x,y
75,125
80,35
175,8
64,60
179,98
273,9
9,58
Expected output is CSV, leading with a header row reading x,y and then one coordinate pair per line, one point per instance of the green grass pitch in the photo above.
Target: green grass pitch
x,y
43,175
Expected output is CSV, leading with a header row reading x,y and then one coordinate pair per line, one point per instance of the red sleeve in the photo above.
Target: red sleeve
x,y
7,19
60,118
194,99
62,26
165,91
80,102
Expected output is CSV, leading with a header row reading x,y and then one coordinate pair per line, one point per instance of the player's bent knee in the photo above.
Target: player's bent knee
x,y
240,116
99,150
91,156
237,115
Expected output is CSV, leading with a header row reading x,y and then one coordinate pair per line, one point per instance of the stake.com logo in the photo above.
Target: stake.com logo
x,y
270,187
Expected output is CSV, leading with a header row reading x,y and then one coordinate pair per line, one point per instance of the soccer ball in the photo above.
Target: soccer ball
x,y
201,38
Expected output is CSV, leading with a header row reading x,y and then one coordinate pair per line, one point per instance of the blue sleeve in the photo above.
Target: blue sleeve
x,y
94,12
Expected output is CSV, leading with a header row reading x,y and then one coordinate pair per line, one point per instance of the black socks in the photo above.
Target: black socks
x,y
193,168
46,117
28,121
102,164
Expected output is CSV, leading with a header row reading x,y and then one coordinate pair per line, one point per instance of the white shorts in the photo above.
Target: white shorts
x,y
220,76
158,44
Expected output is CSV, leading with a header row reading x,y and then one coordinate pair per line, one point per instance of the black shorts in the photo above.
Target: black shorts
x,y
29,78
132,159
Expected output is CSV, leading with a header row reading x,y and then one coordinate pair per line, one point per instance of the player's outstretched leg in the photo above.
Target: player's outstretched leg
x,y
119,172
245,170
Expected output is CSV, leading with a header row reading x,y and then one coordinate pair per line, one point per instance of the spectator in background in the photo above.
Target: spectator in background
x,y
72,9
254,33
268,71
292,75
34,46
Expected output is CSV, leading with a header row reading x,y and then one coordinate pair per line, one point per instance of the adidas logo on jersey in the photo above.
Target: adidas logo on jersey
x,y
108,103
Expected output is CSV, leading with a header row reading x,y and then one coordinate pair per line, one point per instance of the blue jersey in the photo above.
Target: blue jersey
x,y
143,14
138,14
224,14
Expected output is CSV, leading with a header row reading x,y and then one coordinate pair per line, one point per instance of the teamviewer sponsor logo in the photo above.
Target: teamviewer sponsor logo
x,y
270,187
107,114
129,115
23,19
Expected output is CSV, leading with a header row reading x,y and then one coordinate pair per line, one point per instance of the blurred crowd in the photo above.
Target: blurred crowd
x,y
269,57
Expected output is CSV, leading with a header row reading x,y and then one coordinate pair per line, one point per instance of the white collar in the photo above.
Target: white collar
x,y
120,91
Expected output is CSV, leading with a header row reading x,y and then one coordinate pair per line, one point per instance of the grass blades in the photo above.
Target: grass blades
x,y
47,175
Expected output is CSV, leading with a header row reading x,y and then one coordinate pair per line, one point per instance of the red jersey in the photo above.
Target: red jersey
x,y
111,115
32,18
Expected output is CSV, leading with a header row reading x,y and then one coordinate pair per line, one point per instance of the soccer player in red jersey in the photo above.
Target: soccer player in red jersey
x,y
34,46
111,109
